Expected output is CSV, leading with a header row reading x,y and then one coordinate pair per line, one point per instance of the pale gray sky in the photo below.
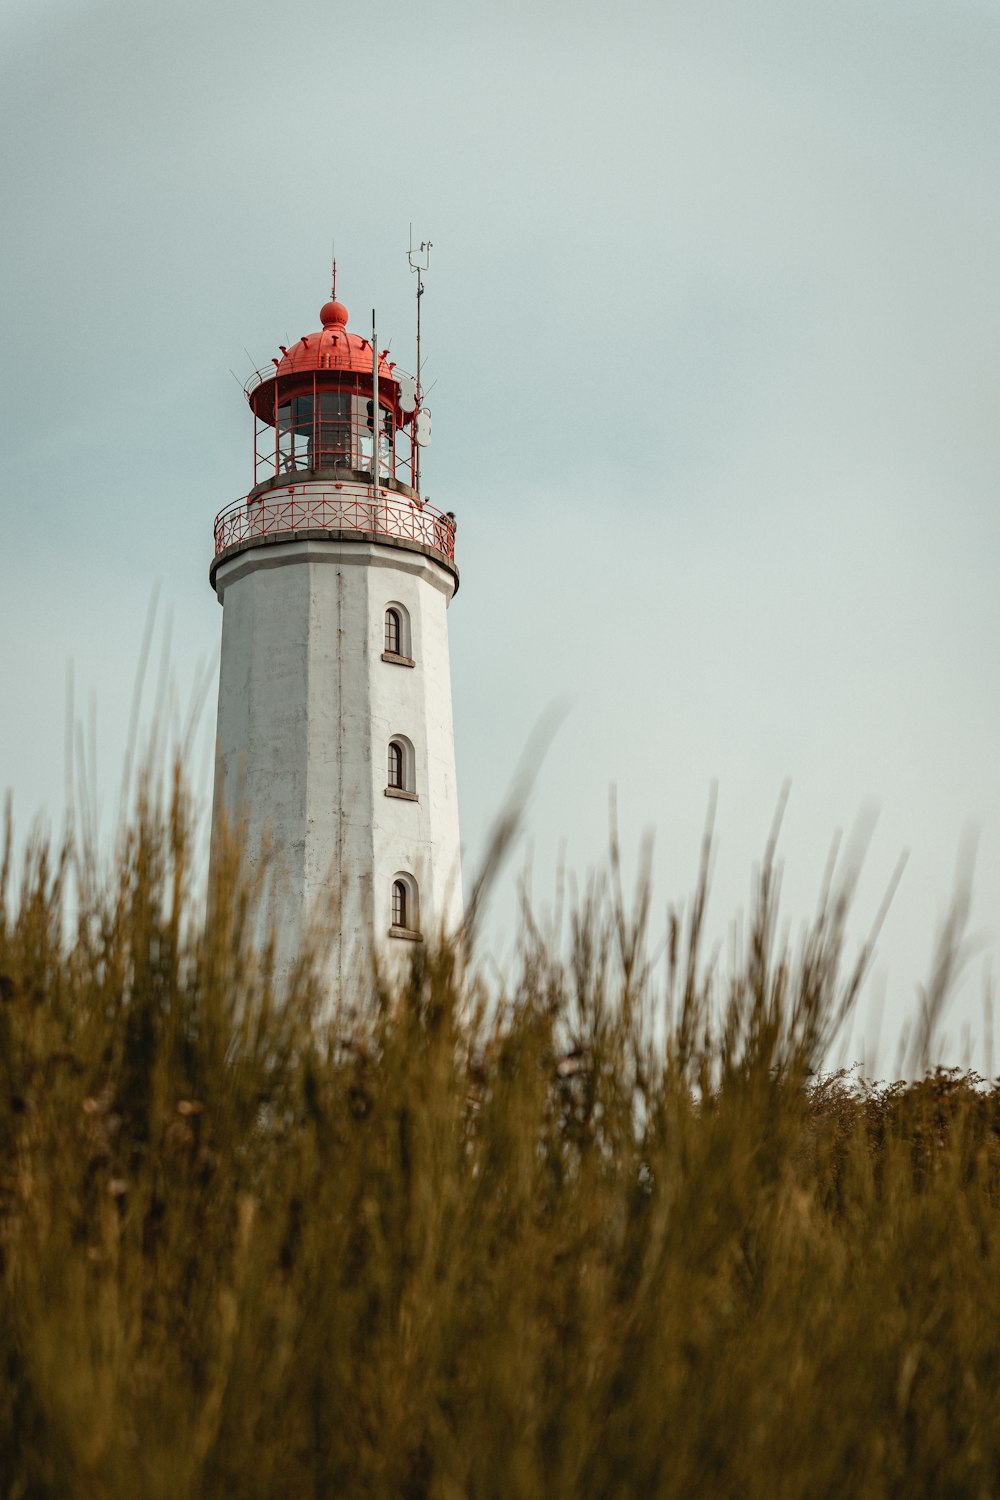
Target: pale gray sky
x,y
712,313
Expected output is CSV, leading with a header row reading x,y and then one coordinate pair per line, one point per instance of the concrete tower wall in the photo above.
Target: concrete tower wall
x,y
307,707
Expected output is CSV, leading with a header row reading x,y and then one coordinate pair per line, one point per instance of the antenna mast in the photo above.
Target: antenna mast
x,y
418,267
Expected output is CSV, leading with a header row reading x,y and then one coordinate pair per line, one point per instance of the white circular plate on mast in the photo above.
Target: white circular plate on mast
x,y
407,393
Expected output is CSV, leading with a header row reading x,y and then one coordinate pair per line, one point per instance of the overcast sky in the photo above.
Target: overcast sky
x,y
712,326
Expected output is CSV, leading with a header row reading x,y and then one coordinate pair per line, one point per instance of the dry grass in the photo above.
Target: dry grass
x,y
590,1241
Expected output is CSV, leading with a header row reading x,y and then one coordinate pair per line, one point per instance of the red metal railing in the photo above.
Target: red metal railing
x,y
389,515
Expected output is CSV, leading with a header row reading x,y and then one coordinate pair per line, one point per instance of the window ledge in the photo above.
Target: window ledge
x,y
397,660
398,791
408,933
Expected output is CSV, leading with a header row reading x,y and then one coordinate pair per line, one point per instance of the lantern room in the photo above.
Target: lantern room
x,y
314,413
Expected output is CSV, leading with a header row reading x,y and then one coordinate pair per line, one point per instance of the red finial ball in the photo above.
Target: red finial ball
x,y
332,313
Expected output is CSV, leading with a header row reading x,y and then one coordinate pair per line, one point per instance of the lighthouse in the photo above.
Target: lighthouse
x,y
335,748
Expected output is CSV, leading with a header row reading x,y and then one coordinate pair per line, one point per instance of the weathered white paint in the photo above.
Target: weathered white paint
x,y
307,708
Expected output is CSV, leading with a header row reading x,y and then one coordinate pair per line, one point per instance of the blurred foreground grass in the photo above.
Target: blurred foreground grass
x,y
595,1236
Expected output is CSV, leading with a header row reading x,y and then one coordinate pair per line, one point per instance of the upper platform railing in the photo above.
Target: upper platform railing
x,y
309,508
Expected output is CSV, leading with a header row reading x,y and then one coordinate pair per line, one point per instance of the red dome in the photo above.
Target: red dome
x,y
333,348
332,351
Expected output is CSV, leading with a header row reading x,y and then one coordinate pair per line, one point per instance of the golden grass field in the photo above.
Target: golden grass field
x,y
599,1230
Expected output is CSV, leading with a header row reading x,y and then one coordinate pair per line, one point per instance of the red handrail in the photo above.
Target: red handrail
x,y
389,515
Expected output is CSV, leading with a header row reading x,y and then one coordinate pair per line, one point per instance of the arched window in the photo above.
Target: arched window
x,y
405,906
398,647
402,769
399,904
395,765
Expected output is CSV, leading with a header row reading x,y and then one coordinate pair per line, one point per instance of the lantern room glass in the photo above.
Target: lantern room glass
x,y
331,430
314,432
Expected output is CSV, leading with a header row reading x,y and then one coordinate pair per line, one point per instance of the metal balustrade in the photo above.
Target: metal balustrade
x,y
389,515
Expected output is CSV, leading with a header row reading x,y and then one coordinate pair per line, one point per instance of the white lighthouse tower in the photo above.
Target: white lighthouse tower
x,y
335,745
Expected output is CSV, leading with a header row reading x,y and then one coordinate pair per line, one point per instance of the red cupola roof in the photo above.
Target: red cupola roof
x,y
333,348
331,351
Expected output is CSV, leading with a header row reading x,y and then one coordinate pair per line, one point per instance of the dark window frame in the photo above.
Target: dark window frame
x,y
396,766
400,899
